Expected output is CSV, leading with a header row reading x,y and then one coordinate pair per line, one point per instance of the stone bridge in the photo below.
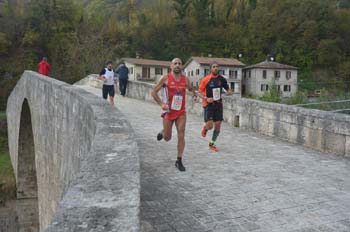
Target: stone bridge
x,y
86,166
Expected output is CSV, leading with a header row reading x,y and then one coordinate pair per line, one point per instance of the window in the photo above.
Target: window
x,y
233,74
279,88
197,71
230,74
159,71
206,71
249,73
264,74
277,74
192,73
286,88
264,88
288,75
146,72
222,72
131,70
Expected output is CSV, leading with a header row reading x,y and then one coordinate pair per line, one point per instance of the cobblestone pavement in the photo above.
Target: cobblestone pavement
x,y
254,183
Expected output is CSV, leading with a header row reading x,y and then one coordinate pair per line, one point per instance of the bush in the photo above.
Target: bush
x,y
299,97
272,95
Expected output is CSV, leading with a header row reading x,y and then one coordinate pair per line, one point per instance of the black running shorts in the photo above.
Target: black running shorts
x,y
108,90
213,112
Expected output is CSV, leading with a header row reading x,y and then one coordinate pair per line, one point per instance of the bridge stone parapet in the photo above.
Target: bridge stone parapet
x,y
320,130
74,157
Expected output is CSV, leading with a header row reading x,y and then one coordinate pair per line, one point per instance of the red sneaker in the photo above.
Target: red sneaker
x,y
213,147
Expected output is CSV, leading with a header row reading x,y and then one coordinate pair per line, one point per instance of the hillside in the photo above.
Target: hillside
x,y
78,36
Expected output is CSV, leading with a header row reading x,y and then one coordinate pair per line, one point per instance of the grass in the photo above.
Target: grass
x,y
7,179
2,115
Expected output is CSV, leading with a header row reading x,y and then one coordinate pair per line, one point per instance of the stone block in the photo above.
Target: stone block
x,y
347,146
293,133
335,143
314,138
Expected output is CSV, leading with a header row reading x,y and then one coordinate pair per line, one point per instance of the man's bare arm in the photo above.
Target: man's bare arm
x,y
102,78
156,89
190,87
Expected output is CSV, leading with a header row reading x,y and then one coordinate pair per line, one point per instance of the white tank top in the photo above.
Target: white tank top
x,y
110,77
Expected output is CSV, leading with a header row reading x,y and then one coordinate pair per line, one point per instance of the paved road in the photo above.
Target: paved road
x,y
254,183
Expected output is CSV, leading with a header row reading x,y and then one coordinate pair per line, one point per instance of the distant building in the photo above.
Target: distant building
x,y
145,69
257,79
198,67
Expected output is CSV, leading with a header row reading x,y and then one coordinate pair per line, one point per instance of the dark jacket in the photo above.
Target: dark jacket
x,y
123,72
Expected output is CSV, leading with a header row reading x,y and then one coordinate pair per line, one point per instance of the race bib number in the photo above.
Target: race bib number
x,y
216,94
176,103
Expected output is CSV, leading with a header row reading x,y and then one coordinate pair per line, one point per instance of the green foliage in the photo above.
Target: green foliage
x,y
343,4
344,74
272,95
79,36
4,44
7,179
2,115
298,98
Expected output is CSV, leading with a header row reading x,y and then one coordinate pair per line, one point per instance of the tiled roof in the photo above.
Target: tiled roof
x,y
147,62
220,61
270,65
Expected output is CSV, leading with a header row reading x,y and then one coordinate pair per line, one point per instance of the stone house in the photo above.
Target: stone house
x,y
257,78
146,69
198,67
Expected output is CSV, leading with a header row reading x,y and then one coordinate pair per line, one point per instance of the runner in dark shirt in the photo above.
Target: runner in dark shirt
x,y
210,90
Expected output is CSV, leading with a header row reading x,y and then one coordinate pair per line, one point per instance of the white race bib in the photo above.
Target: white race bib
x,y
176,103
216,94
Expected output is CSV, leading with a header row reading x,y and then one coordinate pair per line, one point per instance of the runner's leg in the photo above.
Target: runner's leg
x,y
167,128
180,124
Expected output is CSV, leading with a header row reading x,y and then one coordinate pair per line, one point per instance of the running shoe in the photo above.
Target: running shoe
x,y
160,135
180,166
213,147
203,132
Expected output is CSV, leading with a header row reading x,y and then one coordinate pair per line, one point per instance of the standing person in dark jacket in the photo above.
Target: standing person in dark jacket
x,y
123,76
44,67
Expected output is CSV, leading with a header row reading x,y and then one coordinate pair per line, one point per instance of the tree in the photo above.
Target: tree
x,y
344,74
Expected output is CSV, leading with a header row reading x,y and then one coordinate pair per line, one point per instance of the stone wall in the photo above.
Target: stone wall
x,y
320,130
79,154
8,220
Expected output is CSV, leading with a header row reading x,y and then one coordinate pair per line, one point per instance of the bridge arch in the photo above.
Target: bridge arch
x,y
26,177
27,187
63,144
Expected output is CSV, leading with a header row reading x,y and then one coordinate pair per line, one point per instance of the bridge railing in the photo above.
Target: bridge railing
x,y
320,130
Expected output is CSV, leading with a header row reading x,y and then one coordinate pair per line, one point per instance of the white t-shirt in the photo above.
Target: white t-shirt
x,y
109,74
